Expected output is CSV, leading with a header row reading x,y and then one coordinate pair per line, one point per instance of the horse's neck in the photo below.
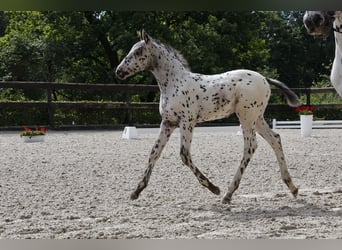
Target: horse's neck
x,y
335,76
168,72
337,33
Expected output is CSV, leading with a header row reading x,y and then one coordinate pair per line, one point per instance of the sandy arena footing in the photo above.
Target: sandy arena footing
x,y
78,184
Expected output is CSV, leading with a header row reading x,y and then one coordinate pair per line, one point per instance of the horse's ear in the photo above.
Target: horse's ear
x,y
144,36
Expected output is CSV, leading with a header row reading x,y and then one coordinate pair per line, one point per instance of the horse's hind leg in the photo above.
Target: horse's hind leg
x,y
186,138
274,140
165,132
250,145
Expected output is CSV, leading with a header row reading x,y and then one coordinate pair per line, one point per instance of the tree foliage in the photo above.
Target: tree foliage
x,y
86,46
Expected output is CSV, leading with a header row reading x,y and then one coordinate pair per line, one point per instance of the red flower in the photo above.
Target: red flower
x,y
27,128
305,110
42,130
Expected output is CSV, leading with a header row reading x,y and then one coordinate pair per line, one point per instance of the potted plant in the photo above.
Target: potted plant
x,y
306,117
29,135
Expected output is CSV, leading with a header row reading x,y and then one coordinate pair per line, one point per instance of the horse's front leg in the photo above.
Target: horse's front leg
x,y
186,130
165,132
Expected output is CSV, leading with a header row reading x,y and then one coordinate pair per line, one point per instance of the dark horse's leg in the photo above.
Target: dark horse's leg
x,y
166,129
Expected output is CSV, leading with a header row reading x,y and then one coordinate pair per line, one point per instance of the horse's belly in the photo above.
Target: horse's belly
x,y
212,117
216,112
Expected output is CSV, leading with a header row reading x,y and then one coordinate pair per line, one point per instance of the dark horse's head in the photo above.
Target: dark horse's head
x,y
319,23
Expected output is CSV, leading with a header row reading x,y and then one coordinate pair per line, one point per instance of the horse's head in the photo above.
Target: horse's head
x,y
138,59
319,23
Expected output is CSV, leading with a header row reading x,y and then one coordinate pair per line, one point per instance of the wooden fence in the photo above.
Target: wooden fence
x,y
51,105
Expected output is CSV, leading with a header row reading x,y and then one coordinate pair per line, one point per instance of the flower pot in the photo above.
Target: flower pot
x,y
306,125
36,138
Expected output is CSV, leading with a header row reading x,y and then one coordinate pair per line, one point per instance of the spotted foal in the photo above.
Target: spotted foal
x,y
189,98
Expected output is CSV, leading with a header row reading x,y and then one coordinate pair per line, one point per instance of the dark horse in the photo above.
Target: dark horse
x,y
321,23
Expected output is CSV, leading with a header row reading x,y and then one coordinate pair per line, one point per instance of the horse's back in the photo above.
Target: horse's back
x,y
238,91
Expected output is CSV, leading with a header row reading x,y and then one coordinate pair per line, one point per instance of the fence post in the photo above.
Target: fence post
x,y
129,112
308,96
274,123
50,109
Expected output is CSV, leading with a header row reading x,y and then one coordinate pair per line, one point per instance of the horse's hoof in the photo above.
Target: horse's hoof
x,y
214,189
295,193
134,196
226,199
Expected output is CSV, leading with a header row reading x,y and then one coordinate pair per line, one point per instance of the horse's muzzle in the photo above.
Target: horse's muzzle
x,y
318,24
121,74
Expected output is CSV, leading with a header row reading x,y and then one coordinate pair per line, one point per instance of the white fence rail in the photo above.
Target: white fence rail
x,y
315,124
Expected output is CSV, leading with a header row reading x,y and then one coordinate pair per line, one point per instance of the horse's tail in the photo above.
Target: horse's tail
x,y
292,98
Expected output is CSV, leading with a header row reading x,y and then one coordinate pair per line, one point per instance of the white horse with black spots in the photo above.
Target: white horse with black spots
x,y
189,98
320,23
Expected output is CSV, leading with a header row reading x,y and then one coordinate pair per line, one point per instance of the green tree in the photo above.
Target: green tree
x,y
299,59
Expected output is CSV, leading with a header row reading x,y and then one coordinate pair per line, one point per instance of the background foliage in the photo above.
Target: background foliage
x,y
87,46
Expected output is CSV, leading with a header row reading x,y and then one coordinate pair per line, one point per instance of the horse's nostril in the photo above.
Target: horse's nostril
x,y
118,72
121,74
317,20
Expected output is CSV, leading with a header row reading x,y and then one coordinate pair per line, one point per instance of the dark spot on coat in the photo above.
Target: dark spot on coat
x,y
203,87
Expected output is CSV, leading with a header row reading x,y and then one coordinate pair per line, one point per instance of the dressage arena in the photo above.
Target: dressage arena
x,y
77,184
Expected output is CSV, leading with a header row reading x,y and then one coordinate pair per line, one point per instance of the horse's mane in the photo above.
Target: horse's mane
x,y
177,53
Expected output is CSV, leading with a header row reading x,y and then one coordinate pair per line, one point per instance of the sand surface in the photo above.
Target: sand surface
x,y
77,185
